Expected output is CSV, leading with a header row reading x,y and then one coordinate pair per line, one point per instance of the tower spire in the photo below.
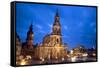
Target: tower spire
x,y
57,18
30,29
56,26
57,13
30,36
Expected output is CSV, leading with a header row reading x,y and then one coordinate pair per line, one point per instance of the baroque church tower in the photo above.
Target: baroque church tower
x,y
30,36
52,43
55,38
56,26
28,48
56,31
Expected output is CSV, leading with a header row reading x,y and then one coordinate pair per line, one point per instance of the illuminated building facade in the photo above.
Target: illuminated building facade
x,y
18,49
52,47
28,47
54,39
18,46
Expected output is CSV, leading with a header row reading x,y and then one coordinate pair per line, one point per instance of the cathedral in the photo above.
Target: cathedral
x,y
54,39
51,48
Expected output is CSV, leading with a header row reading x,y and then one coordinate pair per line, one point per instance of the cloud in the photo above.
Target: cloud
x,y
65,27
80,24
39,26
50,25
92,24
65,36
94,29
42,31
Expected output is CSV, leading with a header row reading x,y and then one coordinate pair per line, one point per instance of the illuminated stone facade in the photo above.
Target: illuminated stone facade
x,y
51,50
18,46
52,47
28,47
18,49
54,39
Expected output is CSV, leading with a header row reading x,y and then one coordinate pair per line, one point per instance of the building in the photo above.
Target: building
x,y
54,39
28,47
18,46
79,51
52,47
18,49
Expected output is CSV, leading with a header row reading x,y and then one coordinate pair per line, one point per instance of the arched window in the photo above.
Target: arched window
x,y
57,40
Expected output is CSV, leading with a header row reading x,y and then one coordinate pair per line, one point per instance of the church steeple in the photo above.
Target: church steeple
x,y
30,30
30,36
56,26
57,13
57,18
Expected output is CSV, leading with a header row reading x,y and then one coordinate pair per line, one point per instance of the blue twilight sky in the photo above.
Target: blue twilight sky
x,y
78,24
